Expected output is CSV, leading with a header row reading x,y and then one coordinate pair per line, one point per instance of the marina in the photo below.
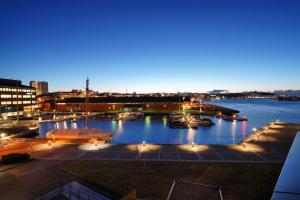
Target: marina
x,y
154,128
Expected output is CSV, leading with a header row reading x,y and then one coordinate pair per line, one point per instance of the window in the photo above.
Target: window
x,y
5,102
5,96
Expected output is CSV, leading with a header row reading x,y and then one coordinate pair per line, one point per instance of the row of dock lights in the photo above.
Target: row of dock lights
x,y
258,134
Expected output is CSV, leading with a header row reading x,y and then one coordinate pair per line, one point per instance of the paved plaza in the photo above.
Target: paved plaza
x,y
269,145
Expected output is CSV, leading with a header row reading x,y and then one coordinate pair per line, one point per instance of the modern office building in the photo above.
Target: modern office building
x,y
16,97
40,86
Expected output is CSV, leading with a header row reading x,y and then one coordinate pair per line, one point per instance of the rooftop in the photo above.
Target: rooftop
x,y
144,99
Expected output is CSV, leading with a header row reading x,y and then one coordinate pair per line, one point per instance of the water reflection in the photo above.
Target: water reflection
x,y
191,135
244,129
114,125
120,126
74,125
148,122
233,130
56,125
165,120
219,129
65,125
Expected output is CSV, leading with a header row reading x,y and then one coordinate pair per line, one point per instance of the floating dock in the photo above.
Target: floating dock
x,y
79,134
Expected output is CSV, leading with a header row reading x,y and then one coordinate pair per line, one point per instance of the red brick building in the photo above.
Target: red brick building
x,y
122,103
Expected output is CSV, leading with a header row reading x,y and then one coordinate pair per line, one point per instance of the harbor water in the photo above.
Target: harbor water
x,y
154,129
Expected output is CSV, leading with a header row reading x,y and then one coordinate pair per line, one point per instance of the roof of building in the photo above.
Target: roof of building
x,y
288,185
148,99
13,83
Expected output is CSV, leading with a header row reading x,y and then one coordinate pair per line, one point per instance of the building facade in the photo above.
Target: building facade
x,y
148,103
40,86
16,97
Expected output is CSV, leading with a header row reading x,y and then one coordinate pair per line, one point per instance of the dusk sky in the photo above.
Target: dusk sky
x,y
152,45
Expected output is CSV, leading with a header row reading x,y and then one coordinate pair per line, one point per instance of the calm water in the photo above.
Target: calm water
x,y
153,129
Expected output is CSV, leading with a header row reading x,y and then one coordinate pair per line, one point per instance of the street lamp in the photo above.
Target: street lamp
x,y
254,129
2,135
244,145
144,143
193,144
96,142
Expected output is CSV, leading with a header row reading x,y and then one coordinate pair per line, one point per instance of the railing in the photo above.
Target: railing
x,y
71,190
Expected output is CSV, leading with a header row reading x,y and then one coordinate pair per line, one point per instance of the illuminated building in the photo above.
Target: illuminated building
x,y
40,86
15,97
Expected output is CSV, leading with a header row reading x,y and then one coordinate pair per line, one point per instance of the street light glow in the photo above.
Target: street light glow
x,y
2,135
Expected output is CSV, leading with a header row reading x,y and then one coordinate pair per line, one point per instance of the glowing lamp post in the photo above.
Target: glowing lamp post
x,y
2,135
244,145
144,143
193,144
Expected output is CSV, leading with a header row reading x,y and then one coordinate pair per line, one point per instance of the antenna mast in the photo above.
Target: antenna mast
x,y
86,102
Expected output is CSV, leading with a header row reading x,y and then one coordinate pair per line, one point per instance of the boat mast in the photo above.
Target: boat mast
x,y
86,102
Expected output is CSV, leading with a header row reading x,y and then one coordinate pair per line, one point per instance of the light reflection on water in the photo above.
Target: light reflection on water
x,y
233,130
153,129
191,136
148,122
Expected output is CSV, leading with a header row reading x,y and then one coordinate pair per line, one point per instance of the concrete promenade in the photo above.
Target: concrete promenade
x,y
266,146
44,173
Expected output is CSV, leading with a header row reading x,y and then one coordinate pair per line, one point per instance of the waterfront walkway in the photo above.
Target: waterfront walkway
x,y
29,180
266,146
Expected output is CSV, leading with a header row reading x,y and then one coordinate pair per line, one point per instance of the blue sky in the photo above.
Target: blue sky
x,y
152,45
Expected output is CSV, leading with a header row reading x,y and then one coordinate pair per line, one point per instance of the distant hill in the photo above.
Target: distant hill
x,y
287,92
218,92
